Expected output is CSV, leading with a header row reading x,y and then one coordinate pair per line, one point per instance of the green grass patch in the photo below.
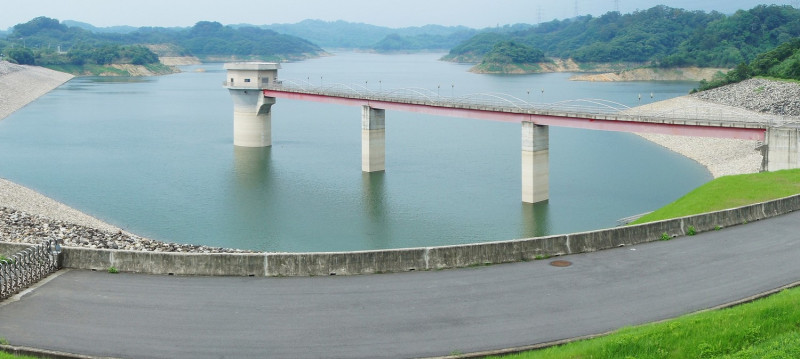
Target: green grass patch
x,y
730,192
766,328
4,258
778,79
4,355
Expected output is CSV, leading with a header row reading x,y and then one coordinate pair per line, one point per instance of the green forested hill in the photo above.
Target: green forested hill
x,y
46,41
782,62
661,35
738,38
211,39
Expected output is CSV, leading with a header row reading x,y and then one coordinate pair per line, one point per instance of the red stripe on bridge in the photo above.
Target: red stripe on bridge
x,y
618,123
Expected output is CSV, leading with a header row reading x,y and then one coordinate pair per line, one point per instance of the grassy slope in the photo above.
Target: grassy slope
x,y
730,192
9,356
767,328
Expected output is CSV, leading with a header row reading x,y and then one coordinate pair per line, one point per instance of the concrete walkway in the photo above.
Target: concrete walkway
x,y
402,315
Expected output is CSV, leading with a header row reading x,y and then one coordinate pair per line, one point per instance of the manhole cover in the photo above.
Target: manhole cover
x,y
560,263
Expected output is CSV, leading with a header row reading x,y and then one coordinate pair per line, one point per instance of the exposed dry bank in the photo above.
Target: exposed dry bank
x,y
652,74
755,99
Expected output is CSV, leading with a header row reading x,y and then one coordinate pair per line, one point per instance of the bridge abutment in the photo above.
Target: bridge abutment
x,y
782,149
373,139
535,162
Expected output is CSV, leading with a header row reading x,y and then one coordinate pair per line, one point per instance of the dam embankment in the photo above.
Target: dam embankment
x,y
21,85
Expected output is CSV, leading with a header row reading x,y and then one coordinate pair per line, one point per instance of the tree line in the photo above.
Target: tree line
x,y
45,41
781,62
660,36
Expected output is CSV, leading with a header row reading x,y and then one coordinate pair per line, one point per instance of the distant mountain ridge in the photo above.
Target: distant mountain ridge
x,y
100,30
347,35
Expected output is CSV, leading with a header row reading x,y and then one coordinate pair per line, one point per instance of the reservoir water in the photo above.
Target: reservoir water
x,y
155,156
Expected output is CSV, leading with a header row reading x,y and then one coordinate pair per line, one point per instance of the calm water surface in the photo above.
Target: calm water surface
x,y
155,156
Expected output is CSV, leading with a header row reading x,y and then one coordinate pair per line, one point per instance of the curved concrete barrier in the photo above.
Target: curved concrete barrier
x,y
409,259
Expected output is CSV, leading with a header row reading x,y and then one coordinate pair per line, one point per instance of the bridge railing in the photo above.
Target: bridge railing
x,y
486,100
28,267
589,108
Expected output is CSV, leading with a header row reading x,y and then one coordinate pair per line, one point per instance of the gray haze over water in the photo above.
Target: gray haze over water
x,y
470,13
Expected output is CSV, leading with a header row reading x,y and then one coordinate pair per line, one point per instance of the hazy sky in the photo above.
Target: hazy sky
x,y
472,13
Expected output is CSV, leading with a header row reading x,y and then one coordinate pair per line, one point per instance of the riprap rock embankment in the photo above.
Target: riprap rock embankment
x,y
756,99
21,85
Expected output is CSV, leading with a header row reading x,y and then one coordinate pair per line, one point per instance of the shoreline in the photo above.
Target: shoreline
x,y
652,74
26,215
758,99
720,156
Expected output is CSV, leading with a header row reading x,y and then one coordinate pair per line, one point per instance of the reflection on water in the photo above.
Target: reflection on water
x,y
251,166
535,219
254,188
374,201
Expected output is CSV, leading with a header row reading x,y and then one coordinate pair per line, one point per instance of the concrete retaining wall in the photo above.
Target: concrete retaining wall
x,y
409,259
165,262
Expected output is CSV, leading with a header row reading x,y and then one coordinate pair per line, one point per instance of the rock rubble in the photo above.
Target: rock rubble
x,y
760,95
754,100
21,227
27,216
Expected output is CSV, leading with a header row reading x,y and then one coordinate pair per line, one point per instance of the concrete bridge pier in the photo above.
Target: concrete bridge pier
x,y
535,162
373,139
782,149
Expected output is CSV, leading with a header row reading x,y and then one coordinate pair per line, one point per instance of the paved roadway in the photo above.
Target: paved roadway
x,y
402,315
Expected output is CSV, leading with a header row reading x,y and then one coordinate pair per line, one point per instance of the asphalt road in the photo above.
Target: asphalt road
x,y
402,315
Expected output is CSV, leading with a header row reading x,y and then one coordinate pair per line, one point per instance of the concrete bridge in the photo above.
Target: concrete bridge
x,y
254,88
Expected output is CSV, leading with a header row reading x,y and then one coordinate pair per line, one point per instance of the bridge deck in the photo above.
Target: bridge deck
x,y
602,117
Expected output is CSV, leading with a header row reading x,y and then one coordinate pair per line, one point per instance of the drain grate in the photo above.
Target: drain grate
x,y
560,263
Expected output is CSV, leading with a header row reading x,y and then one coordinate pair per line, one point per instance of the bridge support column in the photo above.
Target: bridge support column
x,y
373,139
782,149
252,118
535,162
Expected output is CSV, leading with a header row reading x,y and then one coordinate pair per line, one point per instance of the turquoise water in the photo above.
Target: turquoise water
x,y
155,156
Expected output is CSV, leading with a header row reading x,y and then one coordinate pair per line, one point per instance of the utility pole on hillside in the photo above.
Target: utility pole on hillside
x,y
540,14
616,5
576,9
